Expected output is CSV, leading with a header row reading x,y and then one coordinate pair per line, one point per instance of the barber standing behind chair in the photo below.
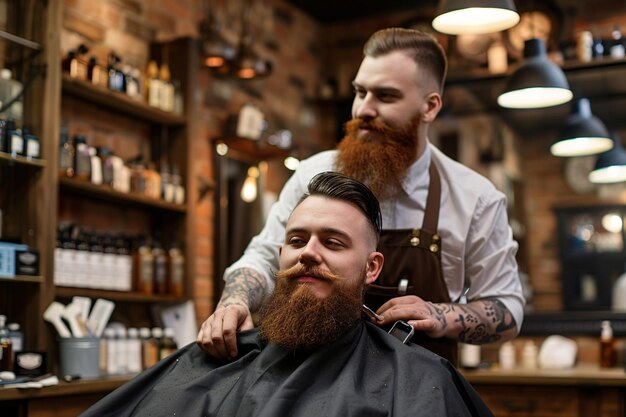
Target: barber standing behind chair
x,y
447,238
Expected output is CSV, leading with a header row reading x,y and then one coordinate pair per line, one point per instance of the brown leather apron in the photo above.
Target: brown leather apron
x,y
413,267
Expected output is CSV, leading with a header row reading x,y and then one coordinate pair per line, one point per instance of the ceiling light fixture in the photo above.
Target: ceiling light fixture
x,y
537,82
456,17
221,57
610,166
582,134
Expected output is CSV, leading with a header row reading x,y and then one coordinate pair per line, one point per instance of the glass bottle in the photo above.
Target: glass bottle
x,y
149,348
608,354
143,267
160,268
82,158
176,271
168,344
166,101
66,155
6,347
15,140
153,85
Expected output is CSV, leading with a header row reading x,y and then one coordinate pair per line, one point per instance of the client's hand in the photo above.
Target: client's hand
x,y
218,334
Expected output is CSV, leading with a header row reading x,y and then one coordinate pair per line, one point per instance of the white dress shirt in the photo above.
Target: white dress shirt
x,y
477,241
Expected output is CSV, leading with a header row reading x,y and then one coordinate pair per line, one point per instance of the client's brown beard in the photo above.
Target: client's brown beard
x,y
295,318
381,158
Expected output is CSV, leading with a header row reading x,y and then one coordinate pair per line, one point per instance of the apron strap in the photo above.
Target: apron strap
x,y
431,213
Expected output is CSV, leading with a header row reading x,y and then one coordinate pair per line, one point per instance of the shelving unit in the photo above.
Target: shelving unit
x,y
34,197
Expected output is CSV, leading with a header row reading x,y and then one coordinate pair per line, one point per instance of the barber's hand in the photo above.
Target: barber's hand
x,y
218,334
422,315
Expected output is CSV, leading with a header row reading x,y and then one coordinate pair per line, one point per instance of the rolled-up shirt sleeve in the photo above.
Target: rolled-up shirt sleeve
x,y
491,266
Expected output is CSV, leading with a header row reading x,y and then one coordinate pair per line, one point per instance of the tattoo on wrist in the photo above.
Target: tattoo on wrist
x,y
245,287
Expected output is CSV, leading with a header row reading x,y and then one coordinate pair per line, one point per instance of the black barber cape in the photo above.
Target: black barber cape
x,y
367,373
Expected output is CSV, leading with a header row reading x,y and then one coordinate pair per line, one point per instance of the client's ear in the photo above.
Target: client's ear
x,y
375,262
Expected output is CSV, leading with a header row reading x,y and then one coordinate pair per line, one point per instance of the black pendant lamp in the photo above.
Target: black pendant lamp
x,y
215,51
537,82
582,134
248,65
456,17
610,166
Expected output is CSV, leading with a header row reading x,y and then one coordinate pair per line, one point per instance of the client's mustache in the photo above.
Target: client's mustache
x,y
370,124
298,270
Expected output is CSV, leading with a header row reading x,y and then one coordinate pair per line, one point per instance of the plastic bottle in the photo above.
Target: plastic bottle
x,y
529,355
17,337
507,356
133,351
619,293
608,354
112,367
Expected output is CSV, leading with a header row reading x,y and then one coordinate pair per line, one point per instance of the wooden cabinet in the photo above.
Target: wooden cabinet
x,y
581,392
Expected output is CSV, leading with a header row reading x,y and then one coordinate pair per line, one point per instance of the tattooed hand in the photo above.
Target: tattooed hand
x,y
478,322
218,333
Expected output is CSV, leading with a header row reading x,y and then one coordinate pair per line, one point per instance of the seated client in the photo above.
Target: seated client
x,y
312,354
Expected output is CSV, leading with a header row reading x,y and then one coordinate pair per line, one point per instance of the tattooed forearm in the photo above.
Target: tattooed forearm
x,y
244,286
482,321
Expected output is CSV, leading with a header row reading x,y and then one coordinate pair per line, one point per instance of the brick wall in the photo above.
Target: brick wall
x,y
284,35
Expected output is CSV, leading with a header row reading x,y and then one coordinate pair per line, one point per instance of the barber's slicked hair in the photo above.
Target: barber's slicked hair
x,y
425,50
341,187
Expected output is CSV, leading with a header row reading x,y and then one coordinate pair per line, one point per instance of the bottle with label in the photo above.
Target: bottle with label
x,y
106,164
110,336
176,271
133,351
168,344
116,76
608,354
6,347
529,355
96,73
15,140
17,337
9,90
138,178
179,190
617,50
149,348
32,147
166,101
153,85
507,355
160,268
143,267
82,158
66,155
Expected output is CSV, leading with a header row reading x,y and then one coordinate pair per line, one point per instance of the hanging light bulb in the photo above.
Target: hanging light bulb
x,y
610,166
291,163
537,82
458,17
582,134
249,188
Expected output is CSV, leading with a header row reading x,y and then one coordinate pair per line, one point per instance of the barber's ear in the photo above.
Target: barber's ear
x,y
375,262
432,105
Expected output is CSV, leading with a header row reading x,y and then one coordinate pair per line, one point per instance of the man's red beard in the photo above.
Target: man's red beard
x,y
381,157
296,318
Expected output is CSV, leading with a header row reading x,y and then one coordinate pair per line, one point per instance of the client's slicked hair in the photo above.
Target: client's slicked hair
x,y
341,187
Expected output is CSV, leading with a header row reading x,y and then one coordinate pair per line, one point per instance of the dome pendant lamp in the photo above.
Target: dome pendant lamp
x,y
537,83
610,166
582,134
456,17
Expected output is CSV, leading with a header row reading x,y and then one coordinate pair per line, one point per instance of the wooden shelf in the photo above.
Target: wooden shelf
x,y
105,193
21,160
249,150
94,386
66,292
24,278
119,102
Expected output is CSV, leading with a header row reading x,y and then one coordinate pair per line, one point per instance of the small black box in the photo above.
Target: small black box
x,y
26,262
